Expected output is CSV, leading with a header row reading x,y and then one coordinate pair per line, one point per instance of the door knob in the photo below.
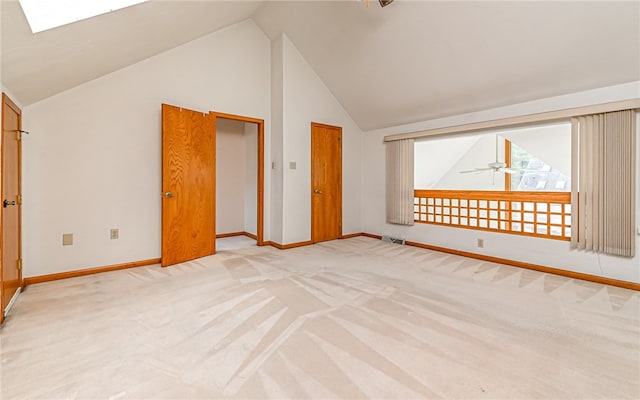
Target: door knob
x,y
169,195
317,191
7,203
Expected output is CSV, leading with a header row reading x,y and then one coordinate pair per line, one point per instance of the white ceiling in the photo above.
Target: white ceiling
x,y
410,61
36,66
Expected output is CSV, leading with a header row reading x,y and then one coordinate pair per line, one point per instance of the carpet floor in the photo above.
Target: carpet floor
x,y
355,318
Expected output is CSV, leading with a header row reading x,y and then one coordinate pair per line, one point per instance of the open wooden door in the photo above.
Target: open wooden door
x,y
188,184
11,271
326,182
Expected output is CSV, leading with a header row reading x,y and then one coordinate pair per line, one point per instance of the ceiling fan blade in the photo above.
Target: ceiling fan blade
x,y
510,170
476,170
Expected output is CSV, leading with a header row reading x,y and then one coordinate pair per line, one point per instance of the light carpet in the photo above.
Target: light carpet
x,y
354,318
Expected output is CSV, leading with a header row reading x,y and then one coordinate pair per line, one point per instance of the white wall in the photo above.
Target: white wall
x,y
251,178
236,176
93,159
553,253
306,99
277,114
231,173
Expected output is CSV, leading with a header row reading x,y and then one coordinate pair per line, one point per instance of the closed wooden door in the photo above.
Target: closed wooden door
x,y
11,206
326,182
188,184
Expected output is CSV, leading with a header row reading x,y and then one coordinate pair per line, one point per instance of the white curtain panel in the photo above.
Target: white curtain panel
x,y
603,183
399,180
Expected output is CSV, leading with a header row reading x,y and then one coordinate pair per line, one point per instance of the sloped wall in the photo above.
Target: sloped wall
x,y
93,159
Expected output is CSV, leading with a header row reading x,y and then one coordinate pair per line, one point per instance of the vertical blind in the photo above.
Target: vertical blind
x,y
399,180
603,183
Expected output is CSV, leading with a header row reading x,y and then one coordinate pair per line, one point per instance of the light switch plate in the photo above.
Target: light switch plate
x,y
292,165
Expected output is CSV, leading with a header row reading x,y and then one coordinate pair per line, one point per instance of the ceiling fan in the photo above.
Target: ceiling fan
x,y
383,3
496,166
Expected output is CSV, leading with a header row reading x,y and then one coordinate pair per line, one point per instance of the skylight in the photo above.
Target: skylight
x,y
47,14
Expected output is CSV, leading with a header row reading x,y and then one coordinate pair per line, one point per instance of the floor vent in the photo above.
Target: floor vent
x,y
387,238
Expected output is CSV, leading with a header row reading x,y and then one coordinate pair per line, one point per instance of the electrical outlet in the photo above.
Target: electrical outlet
x,y
480,243
115,233
292,165
67,239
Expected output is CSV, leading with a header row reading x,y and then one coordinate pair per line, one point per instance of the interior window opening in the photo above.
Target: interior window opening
x,y
536,158
511,180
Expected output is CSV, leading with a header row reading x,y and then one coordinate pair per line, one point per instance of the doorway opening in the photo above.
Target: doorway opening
x,y
236,181
239,181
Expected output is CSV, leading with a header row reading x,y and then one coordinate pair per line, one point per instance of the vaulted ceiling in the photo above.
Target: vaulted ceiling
x,y
407,62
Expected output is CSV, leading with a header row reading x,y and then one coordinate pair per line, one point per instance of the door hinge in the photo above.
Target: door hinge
x,y
19,199
19,264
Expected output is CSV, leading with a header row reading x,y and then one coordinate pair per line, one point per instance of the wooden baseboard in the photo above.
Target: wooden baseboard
x,y
232,234
520,264
226,235
288,246
352,235
541,268
89,271
250,235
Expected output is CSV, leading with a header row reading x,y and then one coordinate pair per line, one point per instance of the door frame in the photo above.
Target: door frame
x,y
339,128
260,186
6,100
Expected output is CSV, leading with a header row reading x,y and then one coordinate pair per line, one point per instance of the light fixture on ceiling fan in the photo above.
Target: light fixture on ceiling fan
x,y
383,3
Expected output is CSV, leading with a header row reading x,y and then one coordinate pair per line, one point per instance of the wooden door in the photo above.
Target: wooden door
x,y
11,206
326,182
188,184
